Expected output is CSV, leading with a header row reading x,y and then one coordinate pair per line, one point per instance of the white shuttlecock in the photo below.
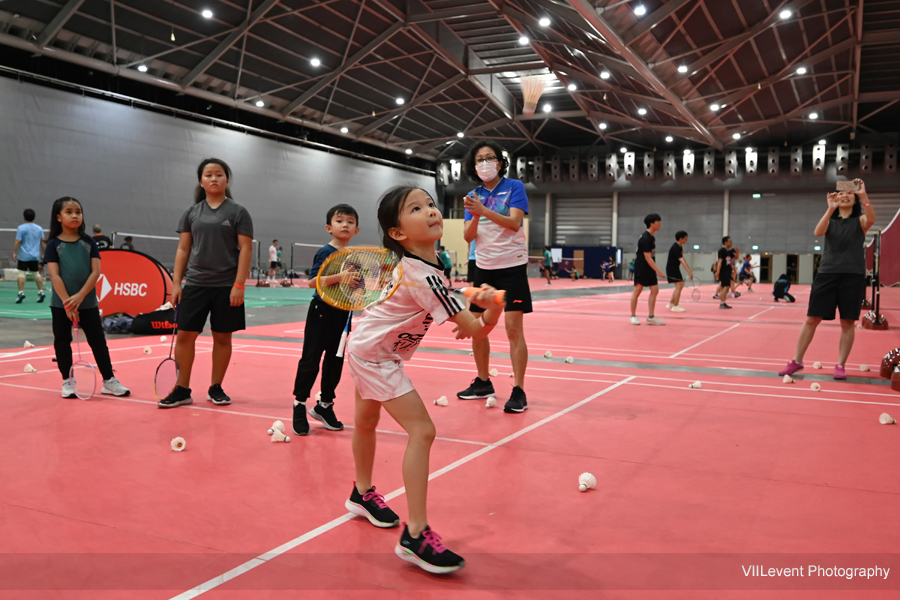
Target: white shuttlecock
x,y
28,344
442,401
787,379
147,350
490,402
548,354
494,372
817,365
278,436
276,426
586,481
863,368
570,359
318,396
886,419
30,369
696,385
162,338
815,387
471,353
178,444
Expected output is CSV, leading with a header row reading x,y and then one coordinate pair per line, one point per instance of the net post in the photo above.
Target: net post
x,y
876,279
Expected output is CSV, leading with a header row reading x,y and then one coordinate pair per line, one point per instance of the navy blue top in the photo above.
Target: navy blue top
x,y
323,253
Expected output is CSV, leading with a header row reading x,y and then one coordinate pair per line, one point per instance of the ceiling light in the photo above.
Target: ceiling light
x,y
452,161
547,108
687,151
682,69
604,75
822,142
642,111
142,68
544,22
207,14
571,87
754,247
670,139
714,107
603,126
400,101
523,41
345,130
409,150
696,246
817,248
757,196
640,10
315,62
748,150
736,136
260,103
460,134
623,149
508,74
785,14
801,71
813,115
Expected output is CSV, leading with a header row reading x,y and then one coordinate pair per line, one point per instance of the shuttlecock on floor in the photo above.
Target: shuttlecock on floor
x,y
815,387
490,402
278,436
276,426
817,365
147,350
864,368
586,481
696,385
494,372
886,419
162,338
442,401
787,379
30,369
570,359
548,354
178,444
471,353
28,344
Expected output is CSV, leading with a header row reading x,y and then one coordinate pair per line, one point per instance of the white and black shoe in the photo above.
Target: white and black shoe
x,y
112,387
428,552
479,389
177,397
517,402
372,506
217,395
324,414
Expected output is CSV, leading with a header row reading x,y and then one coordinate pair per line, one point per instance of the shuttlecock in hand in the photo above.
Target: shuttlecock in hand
x,y
147,350
278,436
548,354
696,385
276,426
490,402
586,481
815,387
30,369
178,444
28,344
494,372
817,365
442,401
787,379
886,419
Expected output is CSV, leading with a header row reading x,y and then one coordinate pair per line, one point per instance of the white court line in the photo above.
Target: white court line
x,y
760,313
118,362
275,552
712,337
53,352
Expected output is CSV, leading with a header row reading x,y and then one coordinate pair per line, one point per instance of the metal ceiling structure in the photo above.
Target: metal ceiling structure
x,y
428,77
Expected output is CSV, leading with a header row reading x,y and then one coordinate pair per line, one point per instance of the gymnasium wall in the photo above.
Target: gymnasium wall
x,y
698,214
135,170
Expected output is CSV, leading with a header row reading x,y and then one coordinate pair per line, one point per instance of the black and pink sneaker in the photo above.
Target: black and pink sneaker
x,y
791,368
428,552
372,506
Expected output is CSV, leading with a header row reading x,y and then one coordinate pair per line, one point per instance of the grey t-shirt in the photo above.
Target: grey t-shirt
x,y
214,250
844,247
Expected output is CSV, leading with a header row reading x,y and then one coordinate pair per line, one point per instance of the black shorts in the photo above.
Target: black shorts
x,y
471,271
199,302
28,265
646,277
673,277
725,278
842,291
273,264
514,280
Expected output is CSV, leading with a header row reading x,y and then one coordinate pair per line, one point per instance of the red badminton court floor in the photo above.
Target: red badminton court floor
x,y
693,484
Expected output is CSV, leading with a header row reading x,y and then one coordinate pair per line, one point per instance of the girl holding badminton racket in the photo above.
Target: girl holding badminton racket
x,y
387,335
213,259
840,283
73,262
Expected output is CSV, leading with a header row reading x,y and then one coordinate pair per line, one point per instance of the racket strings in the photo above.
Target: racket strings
x,y
369,275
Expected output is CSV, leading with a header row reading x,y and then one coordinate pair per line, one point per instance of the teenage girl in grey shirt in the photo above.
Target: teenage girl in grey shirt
x,y
840,283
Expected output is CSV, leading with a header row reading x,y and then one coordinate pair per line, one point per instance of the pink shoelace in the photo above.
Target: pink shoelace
x,y
432,539
375,497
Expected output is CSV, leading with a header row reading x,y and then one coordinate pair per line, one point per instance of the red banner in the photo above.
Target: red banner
x,y
131,283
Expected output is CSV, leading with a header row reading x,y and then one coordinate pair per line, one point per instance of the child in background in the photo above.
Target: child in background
x,y
324,327
446,261
387,336
27,254
781,289
73,261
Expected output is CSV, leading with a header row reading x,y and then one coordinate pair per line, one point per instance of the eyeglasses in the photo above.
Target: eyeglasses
x,y
489,159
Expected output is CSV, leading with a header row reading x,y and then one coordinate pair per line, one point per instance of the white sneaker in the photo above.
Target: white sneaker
x,y
635,321
677,309
654,321
67,391
669,306
112,387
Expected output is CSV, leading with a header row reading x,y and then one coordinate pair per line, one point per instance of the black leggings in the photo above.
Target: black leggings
x,y
91,327
321,334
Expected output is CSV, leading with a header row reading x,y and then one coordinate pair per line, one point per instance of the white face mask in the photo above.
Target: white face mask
x,y
488,171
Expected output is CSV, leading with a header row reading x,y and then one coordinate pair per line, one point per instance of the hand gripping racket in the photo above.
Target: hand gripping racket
x,y
370,275
167,372
82,375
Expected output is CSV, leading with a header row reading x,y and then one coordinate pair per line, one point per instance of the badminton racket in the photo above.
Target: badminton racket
x,y
370,275
82,375
167,372
695,292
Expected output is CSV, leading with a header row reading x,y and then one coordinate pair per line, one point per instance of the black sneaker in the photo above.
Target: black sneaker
x,y
371,505
177,397
301,425
325,415
20,297
41,297
737,294
217,395
723,305
479,389
428,552
517,402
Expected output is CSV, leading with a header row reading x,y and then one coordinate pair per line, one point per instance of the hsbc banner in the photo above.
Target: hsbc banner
x,y
131,283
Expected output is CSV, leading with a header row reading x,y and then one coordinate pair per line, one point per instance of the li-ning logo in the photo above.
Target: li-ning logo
x,y
120,289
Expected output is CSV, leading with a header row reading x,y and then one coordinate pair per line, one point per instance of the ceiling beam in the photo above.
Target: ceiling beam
x,y
511,67
652,20
661,88
857,56
53,27
450,13
227,43
329,77
438,89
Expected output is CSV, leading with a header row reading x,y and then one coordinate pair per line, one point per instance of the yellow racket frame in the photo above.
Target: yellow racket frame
x,y
380,269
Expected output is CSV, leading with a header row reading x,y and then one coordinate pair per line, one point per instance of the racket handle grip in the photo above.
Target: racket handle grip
x,y
499,295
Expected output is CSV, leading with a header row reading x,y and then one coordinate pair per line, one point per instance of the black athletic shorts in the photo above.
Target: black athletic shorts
x,y
471,271
273,264
514,280
673,277
28,265
842,291
725,277
199,302
646,277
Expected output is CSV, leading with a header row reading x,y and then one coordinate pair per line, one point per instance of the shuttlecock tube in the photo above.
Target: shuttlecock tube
x,y
815,387
278,436
586,481
886,419
494,372
28,344
178,444
696,385
490,402
442,401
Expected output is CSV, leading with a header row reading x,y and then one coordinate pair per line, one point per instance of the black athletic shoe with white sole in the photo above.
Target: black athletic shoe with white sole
x,y
325,416
177,397
301,424
517,402
428,552
479,389
217,395
372,506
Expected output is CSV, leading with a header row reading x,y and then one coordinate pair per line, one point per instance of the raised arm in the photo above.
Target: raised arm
x,y
822,225
868,217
